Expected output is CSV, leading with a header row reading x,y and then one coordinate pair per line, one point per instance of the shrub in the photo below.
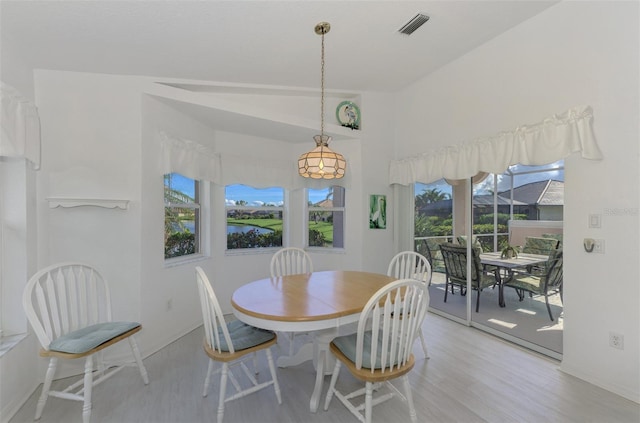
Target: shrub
x,y
180,244
253,239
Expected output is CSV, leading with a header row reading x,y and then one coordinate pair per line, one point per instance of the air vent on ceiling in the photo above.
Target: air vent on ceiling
x,y
415,23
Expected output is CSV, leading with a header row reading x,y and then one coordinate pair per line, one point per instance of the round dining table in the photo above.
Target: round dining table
x,y
326,304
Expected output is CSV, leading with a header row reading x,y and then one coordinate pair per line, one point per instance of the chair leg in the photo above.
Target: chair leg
x,y
478,301
446,290
207,379
368,402
409,396
274,377
332,385
51,370
424,344
223,390
88,389
255,363
546,300
136,355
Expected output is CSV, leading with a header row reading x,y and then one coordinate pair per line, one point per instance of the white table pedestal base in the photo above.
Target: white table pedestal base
x,y
323,360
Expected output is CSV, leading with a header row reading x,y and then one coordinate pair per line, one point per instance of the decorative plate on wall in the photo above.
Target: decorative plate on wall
x,y
348,114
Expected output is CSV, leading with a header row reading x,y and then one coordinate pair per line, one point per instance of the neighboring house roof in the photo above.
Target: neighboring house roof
x,y
541,193
487,200
328,203
544,193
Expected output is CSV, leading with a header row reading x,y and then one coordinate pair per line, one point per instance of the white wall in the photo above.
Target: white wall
x,y
571,54
378,146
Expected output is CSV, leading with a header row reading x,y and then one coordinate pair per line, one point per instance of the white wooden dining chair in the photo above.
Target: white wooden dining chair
x,y
409,264
381,349
231,343
290,261
69,307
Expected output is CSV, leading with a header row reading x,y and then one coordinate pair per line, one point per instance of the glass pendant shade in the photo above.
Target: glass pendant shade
x,y
322,162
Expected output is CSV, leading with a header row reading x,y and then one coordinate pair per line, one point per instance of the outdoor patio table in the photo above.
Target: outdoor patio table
x,y
508,265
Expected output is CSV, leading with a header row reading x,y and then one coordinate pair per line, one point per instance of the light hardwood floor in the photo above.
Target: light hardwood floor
x,y
470,377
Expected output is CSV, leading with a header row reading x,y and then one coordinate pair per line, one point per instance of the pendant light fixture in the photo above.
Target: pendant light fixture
x,y
322,162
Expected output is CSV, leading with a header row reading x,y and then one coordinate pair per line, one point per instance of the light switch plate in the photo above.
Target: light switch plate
x,y
595,220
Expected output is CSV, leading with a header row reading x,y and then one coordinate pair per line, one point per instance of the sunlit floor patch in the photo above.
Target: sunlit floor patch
x,y
503,323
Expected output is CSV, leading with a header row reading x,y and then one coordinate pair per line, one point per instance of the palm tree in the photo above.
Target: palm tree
x,y
429,196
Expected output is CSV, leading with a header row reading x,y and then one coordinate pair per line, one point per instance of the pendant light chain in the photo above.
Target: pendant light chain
x,y
322,87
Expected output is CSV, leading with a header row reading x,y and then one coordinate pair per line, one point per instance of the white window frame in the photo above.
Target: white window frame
x,y
201,190
266,207
309,209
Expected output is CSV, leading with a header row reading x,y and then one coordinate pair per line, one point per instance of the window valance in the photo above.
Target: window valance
x,y
190,159
19,126
197,161
546,142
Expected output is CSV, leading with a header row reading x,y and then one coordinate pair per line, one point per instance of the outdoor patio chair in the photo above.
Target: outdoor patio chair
x,y
422,248
69,307
547,283
230,343
455,263
539,245
380,350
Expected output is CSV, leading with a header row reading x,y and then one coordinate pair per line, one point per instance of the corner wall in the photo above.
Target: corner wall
x,y
571,54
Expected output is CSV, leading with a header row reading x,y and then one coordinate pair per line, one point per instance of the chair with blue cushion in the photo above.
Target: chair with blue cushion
x,y
380,351
409,264
231,343
69,307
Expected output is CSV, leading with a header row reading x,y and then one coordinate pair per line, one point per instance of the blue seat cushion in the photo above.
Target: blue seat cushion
x,y
85,339
347,345
244,336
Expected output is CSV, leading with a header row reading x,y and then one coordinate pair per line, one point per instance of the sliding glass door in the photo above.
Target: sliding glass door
x,y
523,204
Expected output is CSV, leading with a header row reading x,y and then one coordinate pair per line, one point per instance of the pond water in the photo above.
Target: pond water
x,y
231,229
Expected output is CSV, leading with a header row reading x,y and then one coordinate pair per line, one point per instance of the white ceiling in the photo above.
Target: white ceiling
x,y
254,42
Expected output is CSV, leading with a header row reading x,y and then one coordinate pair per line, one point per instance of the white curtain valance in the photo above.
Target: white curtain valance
x,y
197,161
190,159
19,126
546,142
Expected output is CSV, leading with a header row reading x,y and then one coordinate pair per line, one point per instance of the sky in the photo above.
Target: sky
x,y
253,196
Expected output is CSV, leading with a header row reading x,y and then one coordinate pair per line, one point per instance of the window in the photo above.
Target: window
x,y
326,209
182,216
254,217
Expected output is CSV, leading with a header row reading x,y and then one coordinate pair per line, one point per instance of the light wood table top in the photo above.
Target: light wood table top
x,y
310,297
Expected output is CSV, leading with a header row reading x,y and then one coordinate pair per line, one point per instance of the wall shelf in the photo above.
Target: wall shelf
x,y
82,202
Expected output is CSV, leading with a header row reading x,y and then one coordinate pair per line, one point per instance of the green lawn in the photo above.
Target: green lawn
x,y
325,228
